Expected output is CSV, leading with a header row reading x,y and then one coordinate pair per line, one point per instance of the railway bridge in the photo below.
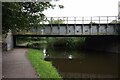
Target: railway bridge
x,y
72,27
98,25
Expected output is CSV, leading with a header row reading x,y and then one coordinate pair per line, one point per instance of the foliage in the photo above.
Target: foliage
x,y
70,43
75,43
58,21
43,68
23,15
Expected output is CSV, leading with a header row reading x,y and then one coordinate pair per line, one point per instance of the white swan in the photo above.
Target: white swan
x,y
44,52
70,57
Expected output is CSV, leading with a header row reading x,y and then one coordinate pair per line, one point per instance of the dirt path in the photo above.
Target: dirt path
x,y
16,65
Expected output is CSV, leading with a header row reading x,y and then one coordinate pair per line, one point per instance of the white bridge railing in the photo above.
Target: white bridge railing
x,y
82,20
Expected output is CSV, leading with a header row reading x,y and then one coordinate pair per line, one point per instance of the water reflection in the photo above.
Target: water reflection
x,y
78,64
64,54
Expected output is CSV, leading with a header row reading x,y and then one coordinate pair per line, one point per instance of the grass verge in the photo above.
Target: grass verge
x,y
44,69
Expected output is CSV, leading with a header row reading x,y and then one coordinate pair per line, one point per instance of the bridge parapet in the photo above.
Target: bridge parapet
x,y
82,20
98,25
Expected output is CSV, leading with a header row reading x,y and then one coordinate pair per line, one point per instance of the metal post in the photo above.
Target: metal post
x,y
74,24
119,10
51,25
82,24
115,28
90,26
67,26
98,26
107,25
59,25
107,20
64,21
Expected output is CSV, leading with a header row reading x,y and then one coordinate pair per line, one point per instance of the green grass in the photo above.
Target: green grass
x,y
31,42
44,69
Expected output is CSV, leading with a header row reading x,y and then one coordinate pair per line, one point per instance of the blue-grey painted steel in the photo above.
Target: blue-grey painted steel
x,y
78,30
47,30
102,30
63,30
110,30
94,30
81,30
70,30
96,25
55,30
86,30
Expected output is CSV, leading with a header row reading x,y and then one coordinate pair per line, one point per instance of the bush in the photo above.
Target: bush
x,y
70,43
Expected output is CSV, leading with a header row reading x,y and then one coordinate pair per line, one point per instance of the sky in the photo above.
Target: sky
x,y
84,8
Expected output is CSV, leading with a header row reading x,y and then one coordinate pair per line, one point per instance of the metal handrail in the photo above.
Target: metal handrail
x,y
87,19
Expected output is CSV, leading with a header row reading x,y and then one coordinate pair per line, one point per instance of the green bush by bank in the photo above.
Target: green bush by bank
x,y
69,43
44,69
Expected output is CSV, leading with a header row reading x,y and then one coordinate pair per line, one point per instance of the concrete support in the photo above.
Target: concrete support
x,y
9,40
103,43
119,10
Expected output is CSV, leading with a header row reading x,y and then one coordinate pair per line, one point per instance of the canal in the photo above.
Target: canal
x,y
77,64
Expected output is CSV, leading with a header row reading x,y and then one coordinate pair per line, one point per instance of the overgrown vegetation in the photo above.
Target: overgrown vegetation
x,y
43,68
31,41
21,16
58,21
69,43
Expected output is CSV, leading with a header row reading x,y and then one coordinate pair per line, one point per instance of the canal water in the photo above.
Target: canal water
x,y
80,64
83,64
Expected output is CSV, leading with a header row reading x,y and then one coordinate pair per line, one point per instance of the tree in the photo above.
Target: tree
x,y
19,16
58,21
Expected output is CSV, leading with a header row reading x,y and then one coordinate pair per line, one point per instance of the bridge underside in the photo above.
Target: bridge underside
x,y
73,30
100,37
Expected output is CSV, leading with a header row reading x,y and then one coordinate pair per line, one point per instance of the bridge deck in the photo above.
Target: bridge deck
x,y
73,29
